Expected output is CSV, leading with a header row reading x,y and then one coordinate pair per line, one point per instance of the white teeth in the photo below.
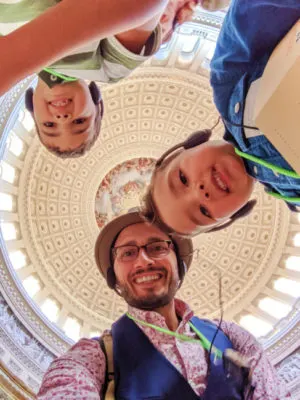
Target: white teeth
x,y
147,278
219,181
61,103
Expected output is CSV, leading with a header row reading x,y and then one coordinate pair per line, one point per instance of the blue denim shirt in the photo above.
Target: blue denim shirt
x,y
250,32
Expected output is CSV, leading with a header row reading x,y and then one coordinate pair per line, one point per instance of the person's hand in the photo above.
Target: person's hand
x,y
186,12
214,5
176,13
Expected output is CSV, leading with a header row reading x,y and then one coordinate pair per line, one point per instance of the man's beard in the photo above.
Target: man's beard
x,y
150,301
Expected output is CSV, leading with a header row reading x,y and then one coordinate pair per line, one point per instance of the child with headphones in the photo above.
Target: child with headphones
x,y
206,185
68,112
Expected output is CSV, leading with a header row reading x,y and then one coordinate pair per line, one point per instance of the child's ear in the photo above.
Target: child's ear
x,y
29,100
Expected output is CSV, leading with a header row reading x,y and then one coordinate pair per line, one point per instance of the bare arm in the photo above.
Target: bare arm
x,y
135,39
64,27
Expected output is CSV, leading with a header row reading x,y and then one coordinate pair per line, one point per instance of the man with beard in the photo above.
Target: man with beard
x,y
160,350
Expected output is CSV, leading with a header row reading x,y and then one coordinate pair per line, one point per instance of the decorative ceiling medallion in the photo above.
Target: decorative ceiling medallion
x,y
122,189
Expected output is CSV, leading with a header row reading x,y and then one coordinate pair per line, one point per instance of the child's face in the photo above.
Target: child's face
x,y
64,114
201,186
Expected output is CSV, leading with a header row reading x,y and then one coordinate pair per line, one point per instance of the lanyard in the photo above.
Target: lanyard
x,y
59,75
275,168
206,344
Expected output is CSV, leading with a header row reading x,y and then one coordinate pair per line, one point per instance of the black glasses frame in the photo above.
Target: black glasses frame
x,y
145,246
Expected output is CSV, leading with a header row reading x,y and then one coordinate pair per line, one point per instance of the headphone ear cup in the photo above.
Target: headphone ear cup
x,y
197,138
29,100
111,278
182,268
95,93
101,105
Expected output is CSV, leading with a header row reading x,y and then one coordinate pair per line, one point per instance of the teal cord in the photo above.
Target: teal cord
x,y
61,76
203,340
275,168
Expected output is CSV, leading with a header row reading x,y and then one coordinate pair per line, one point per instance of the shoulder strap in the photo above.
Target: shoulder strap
x,y
106,344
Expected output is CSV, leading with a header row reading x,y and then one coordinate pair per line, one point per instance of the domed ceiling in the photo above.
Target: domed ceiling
x,y
53,209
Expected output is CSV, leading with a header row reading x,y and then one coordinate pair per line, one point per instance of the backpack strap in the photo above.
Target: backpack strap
x,y
106,344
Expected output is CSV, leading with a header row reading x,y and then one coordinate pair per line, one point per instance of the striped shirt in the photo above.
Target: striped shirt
x,y
105,60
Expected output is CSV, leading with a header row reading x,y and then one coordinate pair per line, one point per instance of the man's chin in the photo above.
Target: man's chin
x,y
150,302
147,299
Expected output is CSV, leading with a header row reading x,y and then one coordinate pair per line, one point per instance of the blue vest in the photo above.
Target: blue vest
x,y
142,372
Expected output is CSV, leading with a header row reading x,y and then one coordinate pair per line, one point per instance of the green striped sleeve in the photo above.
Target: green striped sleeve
x,y
24,10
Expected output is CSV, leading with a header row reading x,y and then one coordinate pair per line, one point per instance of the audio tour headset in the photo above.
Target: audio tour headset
x,y
195,139
94,91
111,276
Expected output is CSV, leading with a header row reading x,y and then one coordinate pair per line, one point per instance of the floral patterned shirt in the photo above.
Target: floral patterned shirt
x,y
79,374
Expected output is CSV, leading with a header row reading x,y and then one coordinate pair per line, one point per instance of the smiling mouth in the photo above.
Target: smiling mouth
x,y
147,278
60,103
219,182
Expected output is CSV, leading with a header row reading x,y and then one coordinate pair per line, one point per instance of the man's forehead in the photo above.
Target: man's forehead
x,y
140,232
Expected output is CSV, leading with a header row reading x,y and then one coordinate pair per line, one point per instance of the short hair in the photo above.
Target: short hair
x,y
150,211
83,148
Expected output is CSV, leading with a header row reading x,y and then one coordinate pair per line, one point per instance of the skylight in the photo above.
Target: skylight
x,y
72,328
18,259
27,120
32,285
7,172
293,263
189,42
255,325
50,309
275,308
287,286
94,334
6,202
8,231
297,240
16,144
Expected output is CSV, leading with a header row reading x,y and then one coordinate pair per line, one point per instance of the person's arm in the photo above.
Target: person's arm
x,y
135,39
64,27
265,381
78,374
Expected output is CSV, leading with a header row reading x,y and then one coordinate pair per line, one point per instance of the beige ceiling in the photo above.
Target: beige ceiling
x,y
143,116
54,214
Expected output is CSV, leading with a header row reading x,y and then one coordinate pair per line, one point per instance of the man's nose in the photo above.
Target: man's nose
x,y
143,258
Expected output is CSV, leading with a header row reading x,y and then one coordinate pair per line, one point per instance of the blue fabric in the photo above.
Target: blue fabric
x,y
250,32
142,372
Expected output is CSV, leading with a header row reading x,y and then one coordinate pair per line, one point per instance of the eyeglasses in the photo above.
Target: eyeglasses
x,y
129,253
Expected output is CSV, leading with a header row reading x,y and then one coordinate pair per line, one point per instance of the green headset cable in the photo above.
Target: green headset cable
x,y
275,168
61,76
206,344
280,170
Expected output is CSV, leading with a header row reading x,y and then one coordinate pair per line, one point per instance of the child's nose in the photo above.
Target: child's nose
x,y
63,116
